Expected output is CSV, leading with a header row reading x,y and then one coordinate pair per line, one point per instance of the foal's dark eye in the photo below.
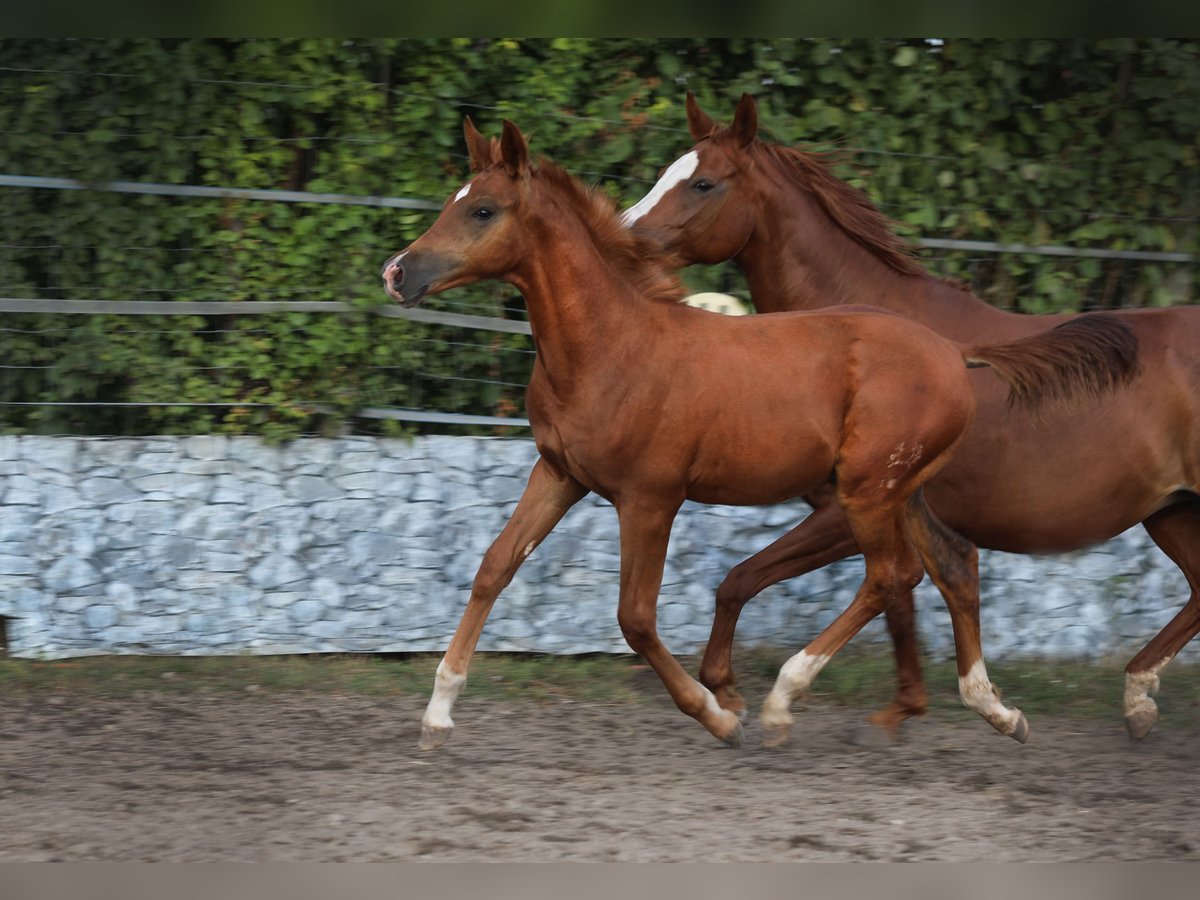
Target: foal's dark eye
x,y
482,214
702,185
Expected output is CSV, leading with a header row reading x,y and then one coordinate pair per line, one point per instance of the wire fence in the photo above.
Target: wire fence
x,y
480,341
463,360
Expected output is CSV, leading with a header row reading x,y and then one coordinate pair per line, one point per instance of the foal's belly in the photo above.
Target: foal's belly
x,y
747,483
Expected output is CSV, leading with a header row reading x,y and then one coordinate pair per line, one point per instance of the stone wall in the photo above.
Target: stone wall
x,y
208,545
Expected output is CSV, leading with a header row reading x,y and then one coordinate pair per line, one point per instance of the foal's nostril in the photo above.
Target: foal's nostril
x,y
393,274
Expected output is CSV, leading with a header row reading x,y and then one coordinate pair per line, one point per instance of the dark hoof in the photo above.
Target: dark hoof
x,y
1141,723
1021,732
735,738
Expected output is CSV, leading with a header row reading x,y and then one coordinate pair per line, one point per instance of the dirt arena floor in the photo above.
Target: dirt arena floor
x,y
321,777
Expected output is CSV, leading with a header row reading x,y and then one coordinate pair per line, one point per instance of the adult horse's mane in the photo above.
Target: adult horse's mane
x,y
849,207
633,257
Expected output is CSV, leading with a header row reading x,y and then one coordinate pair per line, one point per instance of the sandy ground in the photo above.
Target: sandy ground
x,y
258,777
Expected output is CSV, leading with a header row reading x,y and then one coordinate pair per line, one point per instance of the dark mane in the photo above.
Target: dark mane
x,y
652,276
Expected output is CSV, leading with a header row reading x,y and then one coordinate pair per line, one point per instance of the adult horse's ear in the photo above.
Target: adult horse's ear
x,y
514,152
479,148
744,127
700,123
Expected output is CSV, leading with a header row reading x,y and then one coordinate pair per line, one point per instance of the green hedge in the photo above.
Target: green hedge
x,y
1077,142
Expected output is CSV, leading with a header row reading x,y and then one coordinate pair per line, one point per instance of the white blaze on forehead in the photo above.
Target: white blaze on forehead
x,y
462,192
678,171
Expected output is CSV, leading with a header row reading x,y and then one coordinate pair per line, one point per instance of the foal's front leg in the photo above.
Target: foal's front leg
x,y
547,497
645,530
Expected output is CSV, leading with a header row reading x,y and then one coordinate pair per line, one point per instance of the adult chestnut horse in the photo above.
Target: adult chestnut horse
x,y
1024,484
649,402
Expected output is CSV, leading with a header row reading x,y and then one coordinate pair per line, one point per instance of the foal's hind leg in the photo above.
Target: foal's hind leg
x,y
893,570
1176,530
953,564
547,497
822,538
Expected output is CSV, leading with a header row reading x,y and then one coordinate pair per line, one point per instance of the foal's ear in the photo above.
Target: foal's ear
x,y
744,127
479,148
514,152
700,123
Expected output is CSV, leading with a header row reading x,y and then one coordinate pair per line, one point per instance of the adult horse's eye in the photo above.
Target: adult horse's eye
x,y
702,185
482,214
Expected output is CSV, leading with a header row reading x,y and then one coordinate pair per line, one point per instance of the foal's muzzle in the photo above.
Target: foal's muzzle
x,y
399,283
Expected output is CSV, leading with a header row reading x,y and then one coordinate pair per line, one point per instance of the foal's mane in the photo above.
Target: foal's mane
x,y
652,276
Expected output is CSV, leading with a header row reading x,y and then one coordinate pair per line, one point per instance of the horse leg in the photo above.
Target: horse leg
x,y
547,497
645,530
823,538
1176,530
819,540
893,570
953,564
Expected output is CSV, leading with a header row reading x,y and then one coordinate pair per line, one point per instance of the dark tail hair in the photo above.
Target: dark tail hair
x,y
1085,357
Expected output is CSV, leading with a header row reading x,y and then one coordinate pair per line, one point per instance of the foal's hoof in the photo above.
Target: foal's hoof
x,y
735,737
776,735
1020,731
1141,723
432,738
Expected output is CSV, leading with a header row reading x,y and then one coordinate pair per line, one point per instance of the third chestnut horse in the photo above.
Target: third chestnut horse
x,y
1020,483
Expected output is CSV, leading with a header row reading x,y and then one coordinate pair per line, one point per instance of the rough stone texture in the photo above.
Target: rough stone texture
x,y
207,545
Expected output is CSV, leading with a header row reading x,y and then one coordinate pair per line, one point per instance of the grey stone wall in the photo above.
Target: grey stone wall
x,y
207,545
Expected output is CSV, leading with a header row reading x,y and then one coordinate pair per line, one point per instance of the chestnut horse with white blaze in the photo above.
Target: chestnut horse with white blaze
x,y
649,402
1021,483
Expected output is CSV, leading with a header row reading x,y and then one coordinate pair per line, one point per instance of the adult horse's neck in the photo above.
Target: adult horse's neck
x,y
799,258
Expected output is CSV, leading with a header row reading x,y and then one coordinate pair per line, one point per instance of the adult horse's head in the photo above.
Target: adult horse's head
x,y
476,235
702,207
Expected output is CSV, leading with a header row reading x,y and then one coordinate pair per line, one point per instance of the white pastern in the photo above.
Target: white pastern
x,y
446,687
794,679
977,693
1140,687
678,171
462,192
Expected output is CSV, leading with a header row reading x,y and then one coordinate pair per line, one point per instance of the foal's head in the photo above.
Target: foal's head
x,y
502,218
477,234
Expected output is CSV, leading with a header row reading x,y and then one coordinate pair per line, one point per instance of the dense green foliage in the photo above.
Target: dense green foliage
x,y
1072,142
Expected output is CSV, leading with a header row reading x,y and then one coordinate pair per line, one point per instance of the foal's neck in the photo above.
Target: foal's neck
x,y
583,310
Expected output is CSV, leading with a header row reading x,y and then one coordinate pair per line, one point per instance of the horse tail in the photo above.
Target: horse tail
x,y
1088,356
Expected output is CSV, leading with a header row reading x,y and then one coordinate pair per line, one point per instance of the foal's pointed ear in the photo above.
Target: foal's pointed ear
x,y
514,152
744,127
479,148
700,123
